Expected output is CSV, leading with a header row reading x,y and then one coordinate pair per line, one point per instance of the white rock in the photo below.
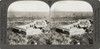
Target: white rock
x,y
76,31
84,23
37,23
24,26
31,31
40,23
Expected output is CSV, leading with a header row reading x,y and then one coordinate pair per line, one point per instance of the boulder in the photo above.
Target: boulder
x,y
35,27
84,23
77,28
39,23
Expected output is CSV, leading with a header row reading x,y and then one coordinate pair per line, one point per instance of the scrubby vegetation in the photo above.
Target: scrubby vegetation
x,y
48,38
51,37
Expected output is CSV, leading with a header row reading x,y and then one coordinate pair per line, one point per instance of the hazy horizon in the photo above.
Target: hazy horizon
x,y
44,13
27,14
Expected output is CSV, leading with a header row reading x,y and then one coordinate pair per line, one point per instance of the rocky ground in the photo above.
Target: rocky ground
x,y
50,37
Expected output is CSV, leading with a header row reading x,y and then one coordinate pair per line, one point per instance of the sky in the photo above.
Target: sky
x,y
29,6
72,6
39,6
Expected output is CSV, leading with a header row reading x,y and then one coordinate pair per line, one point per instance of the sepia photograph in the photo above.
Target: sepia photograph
x,y
36,23
27,22
72,22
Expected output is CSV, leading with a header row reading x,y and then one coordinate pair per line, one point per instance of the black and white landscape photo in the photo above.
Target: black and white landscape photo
x,y
72,21
27,22
64,23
